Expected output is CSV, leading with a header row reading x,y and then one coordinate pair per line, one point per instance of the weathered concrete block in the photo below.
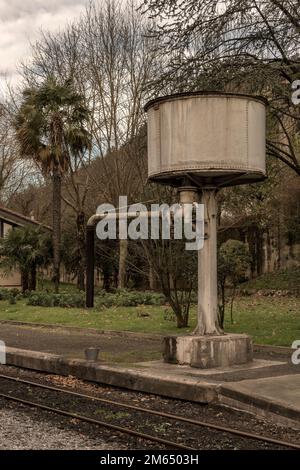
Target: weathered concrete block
x,y
206,352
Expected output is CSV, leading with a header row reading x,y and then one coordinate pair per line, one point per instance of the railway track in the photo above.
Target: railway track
x,y
145,411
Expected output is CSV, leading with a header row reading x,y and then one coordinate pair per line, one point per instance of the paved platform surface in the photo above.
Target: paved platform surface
x,y
71,342
270,385
279,395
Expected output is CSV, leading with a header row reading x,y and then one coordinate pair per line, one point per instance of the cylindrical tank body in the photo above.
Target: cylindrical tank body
x,y
209,137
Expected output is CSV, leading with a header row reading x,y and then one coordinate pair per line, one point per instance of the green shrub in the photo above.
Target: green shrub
x,y
56,300
71,300
104,300
119,298
15,292
12,300
26,294
40,299
4,295
7,294
127,298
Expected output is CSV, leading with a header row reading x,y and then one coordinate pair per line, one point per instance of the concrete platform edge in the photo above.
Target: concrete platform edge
x,y
125,377
261,408
138,379
256,401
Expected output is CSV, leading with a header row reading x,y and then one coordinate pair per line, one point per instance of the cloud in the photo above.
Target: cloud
x,y
12,10
21,22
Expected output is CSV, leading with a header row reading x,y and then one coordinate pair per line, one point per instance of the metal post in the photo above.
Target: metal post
x,y
207,269
90,250
90,265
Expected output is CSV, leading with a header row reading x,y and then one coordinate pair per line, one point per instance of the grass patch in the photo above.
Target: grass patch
x,y
44,285
269,320
288,279
112,415
112,318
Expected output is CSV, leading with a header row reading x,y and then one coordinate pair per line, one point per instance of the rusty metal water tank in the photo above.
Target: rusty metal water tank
x,y
206,137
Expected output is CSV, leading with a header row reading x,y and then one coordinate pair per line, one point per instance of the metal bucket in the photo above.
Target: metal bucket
x,y
91,354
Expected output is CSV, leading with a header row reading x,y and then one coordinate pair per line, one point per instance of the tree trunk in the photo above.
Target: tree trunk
x,y
152,278
24,281
32,279
56,236
259,251
106,280
278,266
221,303
231,304
252,249
81,248
269,252
182,320
122,264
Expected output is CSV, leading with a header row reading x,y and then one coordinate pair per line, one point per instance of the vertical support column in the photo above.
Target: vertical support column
x,y
90,265
207,269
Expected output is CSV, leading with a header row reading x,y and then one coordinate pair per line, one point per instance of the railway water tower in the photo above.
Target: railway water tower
x,y
201,142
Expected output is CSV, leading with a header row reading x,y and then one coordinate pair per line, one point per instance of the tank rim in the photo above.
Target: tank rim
x,y
177,96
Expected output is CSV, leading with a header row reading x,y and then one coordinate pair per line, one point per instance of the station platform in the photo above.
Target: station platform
x,y
268,386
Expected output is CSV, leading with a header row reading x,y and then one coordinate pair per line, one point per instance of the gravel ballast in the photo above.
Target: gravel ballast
x,y
88,436
26,429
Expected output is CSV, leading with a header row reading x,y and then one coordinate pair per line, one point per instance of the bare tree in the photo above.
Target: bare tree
x,y
119,64
108,56
14,172
75,191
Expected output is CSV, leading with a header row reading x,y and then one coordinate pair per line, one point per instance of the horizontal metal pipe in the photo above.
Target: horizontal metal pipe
x,y
94,219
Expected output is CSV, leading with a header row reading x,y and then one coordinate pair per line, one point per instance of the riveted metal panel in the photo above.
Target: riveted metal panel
x,y
209,135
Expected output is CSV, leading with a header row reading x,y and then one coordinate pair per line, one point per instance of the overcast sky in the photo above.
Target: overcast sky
x,y
21,22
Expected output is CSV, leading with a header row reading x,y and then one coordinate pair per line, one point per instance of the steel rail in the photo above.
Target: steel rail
x,y
120,429
162,414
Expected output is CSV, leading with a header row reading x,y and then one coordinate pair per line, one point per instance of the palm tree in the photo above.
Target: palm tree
x,y
50,126
25,248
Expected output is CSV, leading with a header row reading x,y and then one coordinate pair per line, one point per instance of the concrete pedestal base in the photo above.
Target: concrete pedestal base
x,y
207,352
